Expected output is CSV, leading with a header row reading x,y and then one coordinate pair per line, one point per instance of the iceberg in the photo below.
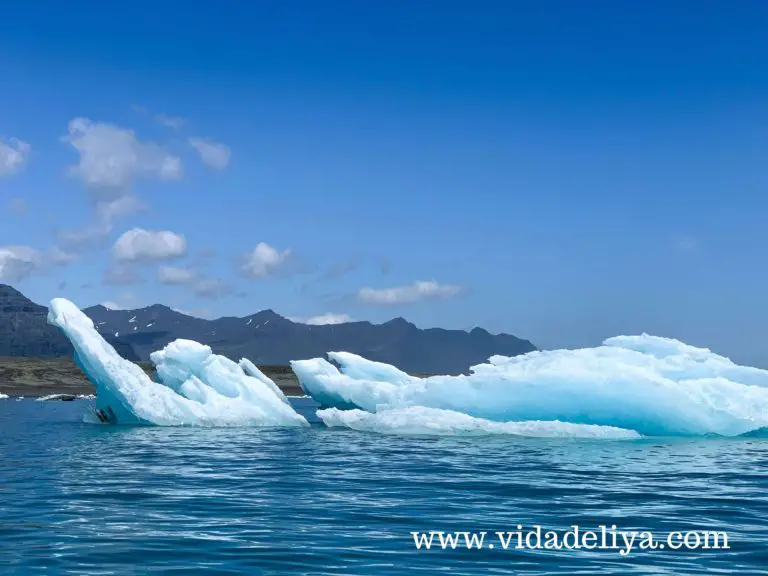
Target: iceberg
x,y
252,370
52,397
421,421
652,385
3,396
194,387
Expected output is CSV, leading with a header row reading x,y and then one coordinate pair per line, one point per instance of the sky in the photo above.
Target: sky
x,y
562,171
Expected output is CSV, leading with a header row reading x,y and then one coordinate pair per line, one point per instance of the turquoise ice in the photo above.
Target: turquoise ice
x,y
194,387
652,385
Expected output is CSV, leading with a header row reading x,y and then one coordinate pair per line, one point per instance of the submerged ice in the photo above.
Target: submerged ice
x,y
193,387
652,385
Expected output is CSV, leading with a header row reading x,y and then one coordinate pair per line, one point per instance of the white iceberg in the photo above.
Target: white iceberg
x,y
652,385
196,387
421,421
3,396
51,397
252,370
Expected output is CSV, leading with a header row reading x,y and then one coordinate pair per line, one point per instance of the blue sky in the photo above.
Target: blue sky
x,y
563,171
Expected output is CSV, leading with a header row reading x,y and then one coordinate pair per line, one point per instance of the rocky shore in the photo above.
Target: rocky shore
x,y
39,377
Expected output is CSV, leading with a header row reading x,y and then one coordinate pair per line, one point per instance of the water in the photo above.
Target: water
x,y
88,499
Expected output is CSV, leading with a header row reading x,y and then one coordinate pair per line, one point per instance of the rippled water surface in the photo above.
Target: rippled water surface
x,y
87,499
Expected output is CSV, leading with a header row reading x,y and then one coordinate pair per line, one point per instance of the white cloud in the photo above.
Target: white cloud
x,y
112,157
263,261
173,122
109,305
213,154
176,276
323,319
141,245
13,156
418,291
19,262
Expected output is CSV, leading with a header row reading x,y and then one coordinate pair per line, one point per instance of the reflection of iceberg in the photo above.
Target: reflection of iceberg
x,y
656,386
421,421
196,387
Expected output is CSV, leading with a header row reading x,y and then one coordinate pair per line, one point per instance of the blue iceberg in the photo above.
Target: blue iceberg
x,y
650,385
194,387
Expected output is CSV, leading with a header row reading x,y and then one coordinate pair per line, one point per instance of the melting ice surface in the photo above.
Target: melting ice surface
x,y
646,384
195,387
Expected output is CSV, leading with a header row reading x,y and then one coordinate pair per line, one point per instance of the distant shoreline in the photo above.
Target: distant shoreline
x,y
38,377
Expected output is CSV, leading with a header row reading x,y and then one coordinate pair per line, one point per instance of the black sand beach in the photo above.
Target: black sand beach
x,y
37,377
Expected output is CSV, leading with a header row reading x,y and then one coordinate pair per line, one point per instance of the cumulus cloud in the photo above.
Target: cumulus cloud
x,y
176,276
112,158
173,122
323,319
13,156
137,245
213,154
263,261
20,262
410,294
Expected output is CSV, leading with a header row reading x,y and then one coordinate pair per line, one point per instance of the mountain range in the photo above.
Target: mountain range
x,y
264,337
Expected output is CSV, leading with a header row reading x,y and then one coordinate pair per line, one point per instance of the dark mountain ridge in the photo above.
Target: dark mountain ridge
x,y
264,337
24,330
